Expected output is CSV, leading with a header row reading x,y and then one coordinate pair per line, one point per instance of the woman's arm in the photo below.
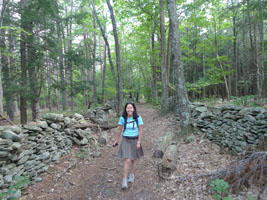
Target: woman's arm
x,y
139,137
118,135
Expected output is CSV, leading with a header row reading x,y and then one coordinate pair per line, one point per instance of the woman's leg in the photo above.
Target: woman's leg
x,y
126,167
133,166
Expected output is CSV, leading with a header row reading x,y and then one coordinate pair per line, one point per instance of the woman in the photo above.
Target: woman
x,y
130,126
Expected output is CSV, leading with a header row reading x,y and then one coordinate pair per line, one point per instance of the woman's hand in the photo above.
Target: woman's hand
x,y
138,144
115,143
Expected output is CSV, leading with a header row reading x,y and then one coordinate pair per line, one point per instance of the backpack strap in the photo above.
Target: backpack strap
x,y
125,123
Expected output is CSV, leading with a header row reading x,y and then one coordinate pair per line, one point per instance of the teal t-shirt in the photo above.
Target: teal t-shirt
x,y
131,126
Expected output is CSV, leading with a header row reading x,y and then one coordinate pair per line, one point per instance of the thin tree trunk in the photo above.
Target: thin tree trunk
x,y
153,66
23,59
69,32
94,62
109,52
2,11
35,81
164,92
181,92
104,75
260,68
61,60
48,79
117,46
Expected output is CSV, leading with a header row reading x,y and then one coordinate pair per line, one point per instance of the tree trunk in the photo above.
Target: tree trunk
x,y
23,82
48,80
69,32
164,92
153,66
117,46
2,11
94,62
181,93
104,75
34,77
3,62
260,68
235,56
109,53
61,61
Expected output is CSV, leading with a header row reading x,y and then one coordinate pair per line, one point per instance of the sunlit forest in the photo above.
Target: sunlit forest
x,y
70,55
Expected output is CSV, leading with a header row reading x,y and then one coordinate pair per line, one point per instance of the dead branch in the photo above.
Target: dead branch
x,y
248,171
2,117
83,126
58,176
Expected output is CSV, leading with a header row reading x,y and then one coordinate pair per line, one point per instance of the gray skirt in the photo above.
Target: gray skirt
x,y
128,149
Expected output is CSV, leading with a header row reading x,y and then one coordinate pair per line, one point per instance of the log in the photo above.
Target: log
x,y
83,126
103,139
169,162
162,143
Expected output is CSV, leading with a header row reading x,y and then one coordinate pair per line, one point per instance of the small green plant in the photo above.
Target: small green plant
x,y
20,182
220,187
83,153
249,100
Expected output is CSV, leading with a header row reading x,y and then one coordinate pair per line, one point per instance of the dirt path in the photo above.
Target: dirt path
x,y
101,177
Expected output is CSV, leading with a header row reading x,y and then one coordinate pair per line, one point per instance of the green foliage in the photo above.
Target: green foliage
x,y
249,100
20,182
83,153
219,187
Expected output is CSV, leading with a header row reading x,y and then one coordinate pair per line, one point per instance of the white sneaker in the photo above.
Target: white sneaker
x,y
124,183
131,178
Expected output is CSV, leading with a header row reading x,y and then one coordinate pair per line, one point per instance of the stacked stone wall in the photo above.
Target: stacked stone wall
x,y
28,150
231,127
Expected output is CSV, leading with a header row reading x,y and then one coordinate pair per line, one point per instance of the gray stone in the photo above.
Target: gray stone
x,y
55,126
8,134
201,109
78,117
44,156
42,124
54,117
8,178
84,141
16,195
32,127
158,154
17,146
1,182
96,154
23,159
250,118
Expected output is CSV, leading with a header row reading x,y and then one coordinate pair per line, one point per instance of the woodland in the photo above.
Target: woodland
x,y
74,56
70,55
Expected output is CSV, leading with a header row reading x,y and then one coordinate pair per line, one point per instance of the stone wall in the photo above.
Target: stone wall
x,y
28,150
231,127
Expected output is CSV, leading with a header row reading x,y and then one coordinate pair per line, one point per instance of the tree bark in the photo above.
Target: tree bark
x,y
164,92
23,59
94,63
181,93
109,52
61,60
153,66
104,75
35,79
260,69
117,46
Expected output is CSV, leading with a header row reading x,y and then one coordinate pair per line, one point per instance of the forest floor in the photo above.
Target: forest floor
x,y
75,178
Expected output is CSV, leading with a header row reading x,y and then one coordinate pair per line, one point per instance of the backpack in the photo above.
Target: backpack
x,y
125,122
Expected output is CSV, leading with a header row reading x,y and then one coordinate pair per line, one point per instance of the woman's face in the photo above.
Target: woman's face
x,y
129,109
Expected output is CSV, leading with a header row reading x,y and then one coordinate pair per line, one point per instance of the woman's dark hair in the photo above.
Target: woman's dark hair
x,y
125,115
